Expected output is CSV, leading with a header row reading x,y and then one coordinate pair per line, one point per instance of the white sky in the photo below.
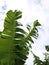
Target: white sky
x,y
32,10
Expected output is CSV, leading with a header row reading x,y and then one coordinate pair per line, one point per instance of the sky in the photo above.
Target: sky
x,y
31,10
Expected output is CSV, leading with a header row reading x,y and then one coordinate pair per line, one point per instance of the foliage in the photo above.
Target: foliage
x,y
47,47
37,60
15,41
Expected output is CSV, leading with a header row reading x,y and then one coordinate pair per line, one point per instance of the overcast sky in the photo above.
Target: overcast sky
x,y
32,10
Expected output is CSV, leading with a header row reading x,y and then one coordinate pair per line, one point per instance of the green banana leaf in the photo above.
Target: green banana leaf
x,y
14,41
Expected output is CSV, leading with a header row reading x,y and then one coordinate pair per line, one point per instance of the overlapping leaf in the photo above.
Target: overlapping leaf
x,y
14,41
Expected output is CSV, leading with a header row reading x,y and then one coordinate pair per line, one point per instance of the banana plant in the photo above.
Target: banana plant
x,y
15,42
38,61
